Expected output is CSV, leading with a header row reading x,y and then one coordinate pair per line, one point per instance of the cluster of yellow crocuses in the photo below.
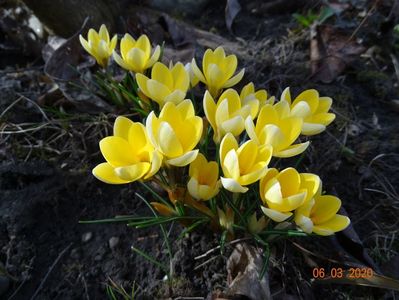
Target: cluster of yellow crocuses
x,y
249,128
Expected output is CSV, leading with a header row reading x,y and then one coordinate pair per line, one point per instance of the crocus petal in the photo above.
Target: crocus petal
x,y
105,172
292,150
142,83
85,44
232,185
301,110
235,79
133,172
192,187
325,208
117,151
337,223
156,163
183,160
210,109
157,91
169,143
197,71
275,215
228,142
122,126
121,62
312,128
304,223
286,95
154,58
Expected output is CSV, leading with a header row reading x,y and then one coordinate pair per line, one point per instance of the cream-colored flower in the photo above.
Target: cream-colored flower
x,y
136,54
217,70
274,127
319,215
166,84
256,99
99,45
312,108
228,114
283,192
129,154
204,175
242,165
176,132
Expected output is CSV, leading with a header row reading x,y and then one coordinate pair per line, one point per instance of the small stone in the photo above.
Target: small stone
x,y
4,284
75,253
353,130
113,242
87,237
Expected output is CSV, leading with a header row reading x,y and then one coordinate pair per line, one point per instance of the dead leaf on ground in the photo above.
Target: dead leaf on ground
x,y
331,51
72,75
232,9
243,268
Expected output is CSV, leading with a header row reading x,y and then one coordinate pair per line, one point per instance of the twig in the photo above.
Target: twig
x,y
50,270
218,247
205,263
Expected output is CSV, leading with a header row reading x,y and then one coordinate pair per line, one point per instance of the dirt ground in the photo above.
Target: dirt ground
x,y
48,148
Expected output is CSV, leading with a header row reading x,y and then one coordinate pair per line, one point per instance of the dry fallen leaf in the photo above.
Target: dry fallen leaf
x,y
66,69
233,8
331,51
243,268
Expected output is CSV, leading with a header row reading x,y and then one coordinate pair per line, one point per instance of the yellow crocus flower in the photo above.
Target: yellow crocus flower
x,y
256,99
176,132
99,45
166,84
193,79
312,108
204,175
128,153
136,54
228,114
283,192
242,165
217,70
274,127
319,215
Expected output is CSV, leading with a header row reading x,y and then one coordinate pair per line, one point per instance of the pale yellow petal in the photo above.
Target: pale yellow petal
x,y
184,159
117,151
232,185
106,173
276,215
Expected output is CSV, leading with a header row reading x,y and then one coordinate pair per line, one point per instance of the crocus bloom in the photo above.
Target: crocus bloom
x,y
283,192
128,153
193,79
217,70
249,96
176,132
166,84
204,175
242,165
227,115
312,108
136,54
273,127
99,45
319,215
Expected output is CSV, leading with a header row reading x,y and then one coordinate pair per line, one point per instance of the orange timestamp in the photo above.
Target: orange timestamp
x,y
321,273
